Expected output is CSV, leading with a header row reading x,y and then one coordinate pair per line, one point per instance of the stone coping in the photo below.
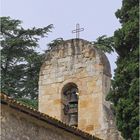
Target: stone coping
x,y
103,58
6,100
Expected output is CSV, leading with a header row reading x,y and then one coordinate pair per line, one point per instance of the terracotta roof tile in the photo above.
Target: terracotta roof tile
x,y
44,117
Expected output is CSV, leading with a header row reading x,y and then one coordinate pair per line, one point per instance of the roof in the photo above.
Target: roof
x,y
12,103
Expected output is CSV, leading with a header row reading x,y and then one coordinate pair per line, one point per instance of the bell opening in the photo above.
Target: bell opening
x,y
70,104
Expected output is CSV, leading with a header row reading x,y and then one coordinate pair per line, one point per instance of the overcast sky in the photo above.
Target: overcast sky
x,y
95,16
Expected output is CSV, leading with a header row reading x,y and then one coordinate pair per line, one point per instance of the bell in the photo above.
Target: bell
x,y
66,109
73,98
73,120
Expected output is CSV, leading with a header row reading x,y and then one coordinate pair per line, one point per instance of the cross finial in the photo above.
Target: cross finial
x,y
78,30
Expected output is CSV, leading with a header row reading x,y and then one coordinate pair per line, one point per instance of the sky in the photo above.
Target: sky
x,y
97,17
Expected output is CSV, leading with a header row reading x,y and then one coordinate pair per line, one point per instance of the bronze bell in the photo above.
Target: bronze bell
x,y
73,120
73,98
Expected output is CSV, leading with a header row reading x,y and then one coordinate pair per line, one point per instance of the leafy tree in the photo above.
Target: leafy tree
x,y
104,43
29,102
125,90
55,43
20,63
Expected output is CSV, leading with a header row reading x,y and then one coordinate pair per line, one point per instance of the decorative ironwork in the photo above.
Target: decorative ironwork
x,y
78,30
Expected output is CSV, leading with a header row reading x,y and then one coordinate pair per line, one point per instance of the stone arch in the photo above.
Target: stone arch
x,y
69,106
68,85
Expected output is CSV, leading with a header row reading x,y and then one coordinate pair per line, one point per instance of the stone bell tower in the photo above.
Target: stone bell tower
x,y
74,81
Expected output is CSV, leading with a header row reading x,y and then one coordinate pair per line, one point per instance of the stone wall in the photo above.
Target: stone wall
x,y
16,125
78,61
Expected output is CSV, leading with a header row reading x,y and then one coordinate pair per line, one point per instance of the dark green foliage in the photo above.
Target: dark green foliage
x,y
20,63
125,86
55,43
104,43
28,102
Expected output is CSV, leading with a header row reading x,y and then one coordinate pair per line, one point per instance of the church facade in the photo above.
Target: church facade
x,y
74,81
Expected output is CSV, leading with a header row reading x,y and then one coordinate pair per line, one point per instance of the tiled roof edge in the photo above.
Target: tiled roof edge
x,y
43,117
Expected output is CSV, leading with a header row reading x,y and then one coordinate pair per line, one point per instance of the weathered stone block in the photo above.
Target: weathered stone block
x,y
89,128
85,66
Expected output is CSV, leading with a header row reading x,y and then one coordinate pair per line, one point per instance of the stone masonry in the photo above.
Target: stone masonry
x,y
16,125
79,62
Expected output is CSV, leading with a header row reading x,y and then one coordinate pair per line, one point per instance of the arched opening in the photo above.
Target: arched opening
x,y
70,104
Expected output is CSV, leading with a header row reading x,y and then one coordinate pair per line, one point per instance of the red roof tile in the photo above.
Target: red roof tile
x,y
43,117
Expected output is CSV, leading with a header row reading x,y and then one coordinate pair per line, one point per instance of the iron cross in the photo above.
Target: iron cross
x,y
78,30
